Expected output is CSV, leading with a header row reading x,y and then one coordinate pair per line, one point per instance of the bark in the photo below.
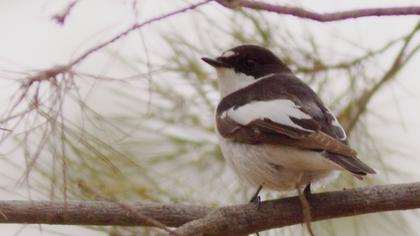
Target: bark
x,y
322,17
201,220
97,213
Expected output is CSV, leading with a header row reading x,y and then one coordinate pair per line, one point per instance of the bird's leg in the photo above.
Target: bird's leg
x,y
307,191
306,208
256,198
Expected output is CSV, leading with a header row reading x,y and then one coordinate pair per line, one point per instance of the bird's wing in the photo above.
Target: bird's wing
x,y
283,110
280,118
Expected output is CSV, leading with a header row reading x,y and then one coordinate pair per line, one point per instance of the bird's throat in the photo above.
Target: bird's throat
x,y
231,81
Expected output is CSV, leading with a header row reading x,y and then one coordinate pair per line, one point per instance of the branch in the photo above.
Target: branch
x,y
97,213
53,72
256,5
355,109
136,26
345,65
324,17
247,219
230,220
60,18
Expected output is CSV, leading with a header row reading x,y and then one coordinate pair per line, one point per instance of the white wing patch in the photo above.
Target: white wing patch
x,y
338,125
278,111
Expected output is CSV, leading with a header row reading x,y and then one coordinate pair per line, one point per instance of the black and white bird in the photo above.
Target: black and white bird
x,y
274,131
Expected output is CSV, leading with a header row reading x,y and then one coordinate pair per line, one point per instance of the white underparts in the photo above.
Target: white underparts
x,y
277,167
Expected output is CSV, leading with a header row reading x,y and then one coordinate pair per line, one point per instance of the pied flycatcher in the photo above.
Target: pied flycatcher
x,y
273,130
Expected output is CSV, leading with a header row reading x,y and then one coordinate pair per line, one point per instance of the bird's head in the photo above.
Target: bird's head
x,y
243,65
251,60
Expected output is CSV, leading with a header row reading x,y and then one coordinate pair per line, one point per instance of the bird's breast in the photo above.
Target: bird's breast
x,y
276,167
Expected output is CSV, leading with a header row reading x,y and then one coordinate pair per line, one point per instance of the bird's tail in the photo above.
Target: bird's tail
x,y
351,164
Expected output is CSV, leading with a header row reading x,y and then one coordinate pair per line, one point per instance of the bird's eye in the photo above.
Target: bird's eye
x,y
250,62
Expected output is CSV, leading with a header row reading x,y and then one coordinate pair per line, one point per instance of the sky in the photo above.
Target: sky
x,y
31,41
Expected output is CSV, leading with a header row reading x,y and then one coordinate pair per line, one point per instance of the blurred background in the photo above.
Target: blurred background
x,y
134,120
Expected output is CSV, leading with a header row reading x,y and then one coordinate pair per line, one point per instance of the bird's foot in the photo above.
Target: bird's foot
x,y
257,201
256,198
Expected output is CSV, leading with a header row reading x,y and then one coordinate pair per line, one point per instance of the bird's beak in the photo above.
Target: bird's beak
x,y
214,62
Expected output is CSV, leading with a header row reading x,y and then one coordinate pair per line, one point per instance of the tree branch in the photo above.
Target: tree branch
x,y
247,219
66,68
322,17
230,220
135,27
256,5
97,213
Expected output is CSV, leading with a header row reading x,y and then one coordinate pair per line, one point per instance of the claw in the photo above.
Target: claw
x,y
255,198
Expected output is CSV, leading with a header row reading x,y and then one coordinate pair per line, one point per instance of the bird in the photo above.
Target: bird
x,y
273,129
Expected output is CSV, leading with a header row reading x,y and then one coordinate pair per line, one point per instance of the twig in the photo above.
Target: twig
x,y
354,110
63,69
230,220
322,17
52,73
256,5
60,18
345,65
135,27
